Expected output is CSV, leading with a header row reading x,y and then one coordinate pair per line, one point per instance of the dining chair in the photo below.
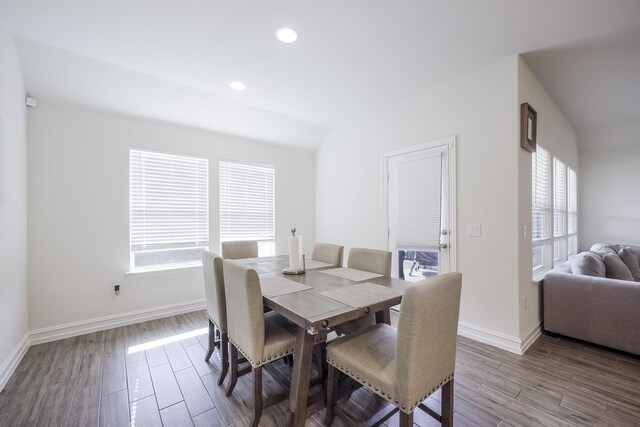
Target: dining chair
x,y
216,309
240,249
261,337
374,261
371,260
326,252
407,365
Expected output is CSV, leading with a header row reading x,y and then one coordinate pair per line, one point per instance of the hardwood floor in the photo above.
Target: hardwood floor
x,y
99,379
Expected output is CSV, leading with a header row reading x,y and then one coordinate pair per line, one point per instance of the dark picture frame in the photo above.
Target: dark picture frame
x,y
528,127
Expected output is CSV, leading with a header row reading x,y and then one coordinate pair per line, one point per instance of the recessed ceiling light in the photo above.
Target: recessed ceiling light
x,y
237,86
286,35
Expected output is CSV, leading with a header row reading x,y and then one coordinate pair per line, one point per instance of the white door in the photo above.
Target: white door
x,y
419,187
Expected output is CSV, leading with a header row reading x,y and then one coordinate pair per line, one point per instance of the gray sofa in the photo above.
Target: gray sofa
x,y
600,310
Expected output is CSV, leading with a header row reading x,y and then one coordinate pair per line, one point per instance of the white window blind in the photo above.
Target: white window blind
x,y
247,202
541,195
559,198
169,208
573,201
419,192
554,211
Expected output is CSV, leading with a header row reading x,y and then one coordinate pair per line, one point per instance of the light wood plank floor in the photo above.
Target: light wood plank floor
x,y
95,380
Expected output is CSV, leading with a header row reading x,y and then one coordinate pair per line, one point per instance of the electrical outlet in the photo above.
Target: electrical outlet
x,y
474,230
525,303
116,289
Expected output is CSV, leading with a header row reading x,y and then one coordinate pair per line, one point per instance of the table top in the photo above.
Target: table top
x,y
310,308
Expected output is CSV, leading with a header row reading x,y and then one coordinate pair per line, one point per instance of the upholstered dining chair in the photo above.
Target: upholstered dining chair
x,y
240,249
374,261
326,252
407,365
261,337
216,309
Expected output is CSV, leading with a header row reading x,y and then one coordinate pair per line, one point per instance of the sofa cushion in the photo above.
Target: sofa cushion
x,y
588,264
603,248
634,249
615,268
631,261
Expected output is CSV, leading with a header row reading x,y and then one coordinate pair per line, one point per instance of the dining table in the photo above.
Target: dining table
x,y
318,300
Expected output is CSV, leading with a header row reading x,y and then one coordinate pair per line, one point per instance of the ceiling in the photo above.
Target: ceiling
x,y
173,60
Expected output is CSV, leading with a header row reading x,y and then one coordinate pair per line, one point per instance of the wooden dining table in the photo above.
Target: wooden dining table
x,y
323,297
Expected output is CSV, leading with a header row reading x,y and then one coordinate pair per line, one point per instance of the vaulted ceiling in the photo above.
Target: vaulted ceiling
x,y
173,60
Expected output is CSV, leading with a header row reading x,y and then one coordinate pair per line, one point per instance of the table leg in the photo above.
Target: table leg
x,y
299,392
384,316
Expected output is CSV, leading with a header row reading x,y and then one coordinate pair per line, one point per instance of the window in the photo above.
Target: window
x,y
572,228
169,209
247,204
554,211
541,208
559,211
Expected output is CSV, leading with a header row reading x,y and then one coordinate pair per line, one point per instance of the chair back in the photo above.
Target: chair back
x,y
214,289
427,330
326,252
372,260
240,249
246,319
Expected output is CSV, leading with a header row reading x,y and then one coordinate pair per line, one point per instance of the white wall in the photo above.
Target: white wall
x,y
557,135
13,203
79,209
480,109
608,189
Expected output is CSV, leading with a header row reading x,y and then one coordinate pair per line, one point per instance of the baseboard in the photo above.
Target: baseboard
x,y
500,340
10,365
530,337
73,329
496,339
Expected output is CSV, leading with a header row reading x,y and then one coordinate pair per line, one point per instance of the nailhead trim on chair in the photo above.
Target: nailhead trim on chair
x,y
222,331
387,396
257,363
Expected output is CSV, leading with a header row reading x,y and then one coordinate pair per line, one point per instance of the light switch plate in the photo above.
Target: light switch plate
x,y
474,230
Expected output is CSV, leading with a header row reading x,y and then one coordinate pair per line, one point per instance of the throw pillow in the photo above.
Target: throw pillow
x,y
588,264
631,261
616,268
603,248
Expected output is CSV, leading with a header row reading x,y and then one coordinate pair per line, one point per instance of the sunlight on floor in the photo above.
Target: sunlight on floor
x,y
168,340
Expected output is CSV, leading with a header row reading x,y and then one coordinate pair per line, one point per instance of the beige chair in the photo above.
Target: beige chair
x,y
326,252
407,365
372,260
240,249
261,337
216,309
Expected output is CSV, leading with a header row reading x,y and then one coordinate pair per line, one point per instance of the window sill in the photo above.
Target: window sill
x,y
164,270
538,276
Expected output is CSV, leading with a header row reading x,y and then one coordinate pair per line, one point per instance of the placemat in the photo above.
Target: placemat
x,y
312,264
274,286
245,261
351,274
362,295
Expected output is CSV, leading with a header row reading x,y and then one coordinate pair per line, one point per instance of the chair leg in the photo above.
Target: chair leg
x,y
332,392
447,404
212,341
406,420
257,395
224,355
233,356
